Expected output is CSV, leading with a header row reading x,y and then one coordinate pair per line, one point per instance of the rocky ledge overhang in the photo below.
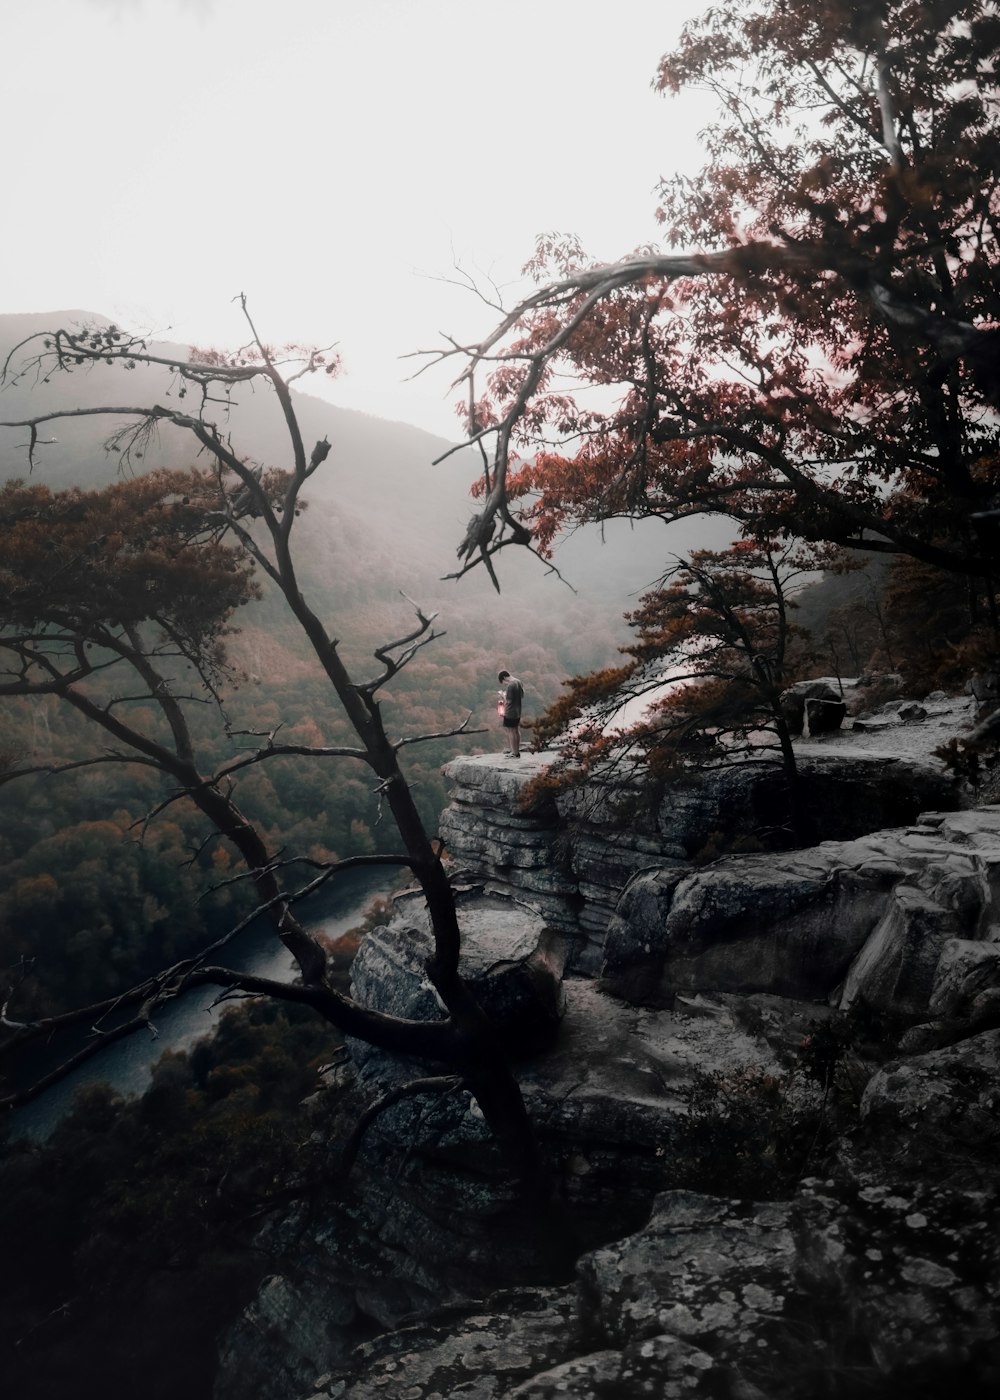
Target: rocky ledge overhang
x,y
572,855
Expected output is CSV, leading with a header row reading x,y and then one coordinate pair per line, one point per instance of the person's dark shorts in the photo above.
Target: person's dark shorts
x,y
511,723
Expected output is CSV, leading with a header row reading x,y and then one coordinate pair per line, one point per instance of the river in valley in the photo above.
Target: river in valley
x,y
127,1064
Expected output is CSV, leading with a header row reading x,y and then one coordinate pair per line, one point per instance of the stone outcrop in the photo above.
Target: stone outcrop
x,y
512,962
879,1279
842,795
904,921
984,687
739,1300
606,1100
935,1116
744,924
852,1286
563,859
572,856
481,1353
812,707
824,716
430,1218
889,1270
967,979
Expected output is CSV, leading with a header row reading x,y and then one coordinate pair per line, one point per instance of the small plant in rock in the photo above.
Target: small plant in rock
x,y
971,762
821,1052
749,1132
838,1054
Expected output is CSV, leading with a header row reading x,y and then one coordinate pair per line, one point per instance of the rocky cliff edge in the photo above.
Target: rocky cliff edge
x,y
741,1022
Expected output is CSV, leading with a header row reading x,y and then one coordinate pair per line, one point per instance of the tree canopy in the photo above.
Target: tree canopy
x,y
815,355
826,362
706,665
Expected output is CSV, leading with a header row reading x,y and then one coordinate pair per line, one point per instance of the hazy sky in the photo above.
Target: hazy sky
x,y
332,158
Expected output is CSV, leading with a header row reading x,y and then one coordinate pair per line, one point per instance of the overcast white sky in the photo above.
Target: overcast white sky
x,y
332,158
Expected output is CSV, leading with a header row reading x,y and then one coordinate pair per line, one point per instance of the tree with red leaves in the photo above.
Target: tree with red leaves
x,y
826,364
704,681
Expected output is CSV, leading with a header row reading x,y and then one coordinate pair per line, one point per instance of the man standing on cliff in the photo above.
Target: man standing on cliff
x,y
513,693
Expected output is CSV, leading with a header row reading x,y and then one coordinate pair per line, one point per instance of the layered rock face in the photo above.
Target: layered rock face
x,y
564,858
571,857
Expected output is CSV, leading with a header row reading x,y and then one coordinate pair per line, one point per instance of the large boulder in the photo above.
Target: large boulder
x,y
984,687
744,924
511,961
794,702
703,1269
840,796
863,922
966,979
477,1351
935,1115
824,716
897,970
772,1293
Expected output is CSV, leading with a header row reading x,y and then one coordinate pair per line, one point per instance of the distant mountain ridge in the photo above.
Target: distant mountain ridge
x,y
382,517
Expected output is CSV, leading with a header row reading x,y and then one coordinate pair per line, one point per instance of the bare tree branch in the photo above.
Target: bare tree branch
x,y
257,514
440,1084
444,734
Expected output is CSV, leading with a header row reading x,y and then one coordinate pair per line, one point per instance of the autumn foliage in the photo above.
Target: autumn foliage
x,y
704,680
816,352
825,363
92,564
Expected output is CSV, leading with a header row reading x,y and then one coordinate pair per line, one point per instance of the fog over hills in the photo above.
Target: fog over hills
x,y
382,516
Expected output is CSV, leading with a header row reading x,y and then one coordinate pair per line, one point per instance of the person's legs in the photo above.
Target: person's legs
x,y
512,734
